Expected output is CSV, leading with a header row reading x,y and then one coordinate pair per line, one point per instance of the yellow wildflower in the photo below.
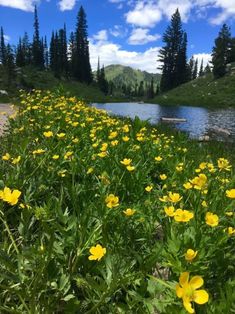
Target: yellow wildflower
x,y
182,215
126,161
90,170
163,176
61,135
158,158
204,204
187,290
229,214
231,230
6,156
112,201
223,164
187,185
230,193
170,211
55,157
190,255
102,154
212,219
97,252
38,151
68,155
149,188
130,168
174,197
125,138
16,160
9,196
199,182
129,212
48,134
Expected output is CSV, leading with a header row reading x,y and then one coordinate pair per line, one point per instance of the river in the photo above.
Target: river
x,y
200,121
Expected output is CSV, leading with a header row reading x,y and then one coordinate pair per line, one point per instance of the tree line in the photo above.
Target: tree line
x,y
175,67
65,58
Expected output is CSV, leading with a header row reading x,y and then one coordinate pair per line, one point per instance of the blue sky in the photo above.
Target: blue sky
x,y
127,32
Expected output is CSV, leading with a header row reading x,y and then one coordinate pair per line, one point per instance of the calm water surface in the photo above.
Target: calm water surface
x,y
200,121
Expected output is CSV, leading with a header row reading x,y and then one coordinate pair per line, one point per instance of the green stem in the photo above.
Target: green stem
x,y
10,235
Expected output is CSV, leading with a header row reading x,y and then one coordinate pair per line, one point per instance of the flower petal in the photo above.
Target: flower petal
x,y
179,291
196,282
184,278
201,296
188,306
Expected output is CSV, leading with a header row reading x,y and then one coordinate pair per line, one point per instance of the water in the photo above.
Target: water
x,y
200,121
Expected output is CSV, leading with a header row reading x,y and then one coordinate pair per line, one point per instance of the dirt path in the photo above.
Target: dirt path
x,y
5,111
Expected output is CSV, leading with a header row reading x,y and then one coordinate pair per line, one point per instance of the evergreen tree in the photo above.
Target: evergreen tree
x,y
191,68
98,71
62,52
221,52
102,82
20,57
141,89
9,65
27,49
173,54
157,90
46,53
207,69
2,48
195,69
37,46
232,51
82,68
201,71
71,54
150,90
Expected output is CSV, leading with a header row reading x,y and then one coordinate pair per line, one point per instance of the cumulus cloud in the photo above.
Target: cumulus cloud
x,y
101,35
25,5
65,5
118,31
111,53
147,13
141,36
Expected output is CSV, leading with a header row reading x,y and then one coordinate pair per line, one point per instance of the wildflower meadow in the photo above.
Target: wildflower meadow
x,y
107,215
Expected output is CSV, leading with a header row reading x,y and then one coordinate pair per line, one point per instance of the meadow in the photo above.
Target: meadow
x,y
106,215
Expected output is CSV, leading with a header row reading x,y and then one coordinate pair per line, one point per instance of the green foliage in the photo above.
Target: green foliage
x,y
66,158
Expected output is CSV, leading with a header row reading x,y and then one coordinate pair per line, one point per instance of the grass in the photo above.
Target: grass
x,y
98,214
204,91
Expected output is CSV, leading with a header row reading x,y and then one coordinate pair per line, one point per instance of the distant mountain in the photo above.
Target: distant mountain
x,y
120,74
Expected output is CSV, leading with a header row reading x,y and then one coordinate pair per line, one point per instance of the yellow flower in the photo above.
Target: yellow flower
x,y
68,155
38,151
223,164
170,211
16,160
97,252
112,201
190,255
182,215
129,212
126,162
199,182
204,204
90,170
6,157
112,135
203,165
174,197
230,193
229,214
62,173
179,168
55,157
61,135
158,158
9,196
163,176
187,185
212,219
149,188
102,154
125,138
130,168
48,134
231,230
187,290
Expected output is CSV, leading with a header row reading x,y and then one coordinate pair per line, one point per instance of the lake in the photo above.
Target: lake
x,y
200,121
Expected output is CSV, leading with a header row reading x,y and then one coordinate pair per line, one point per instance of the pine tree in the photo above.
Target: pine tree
x,y
102,82
141,89
232,51
207,69
46,53
173,54
37,46
27,49
71,54
201,71
9,65
150,90
82,68
191,68
20,57
221,52
195,69
2,48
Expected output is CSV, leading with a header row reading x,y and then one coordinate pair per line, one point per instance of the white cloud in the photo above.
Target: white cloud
x,y
141,36
147,13
25,5
118,31
111,53
7,38
101,35
66,4
206,57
